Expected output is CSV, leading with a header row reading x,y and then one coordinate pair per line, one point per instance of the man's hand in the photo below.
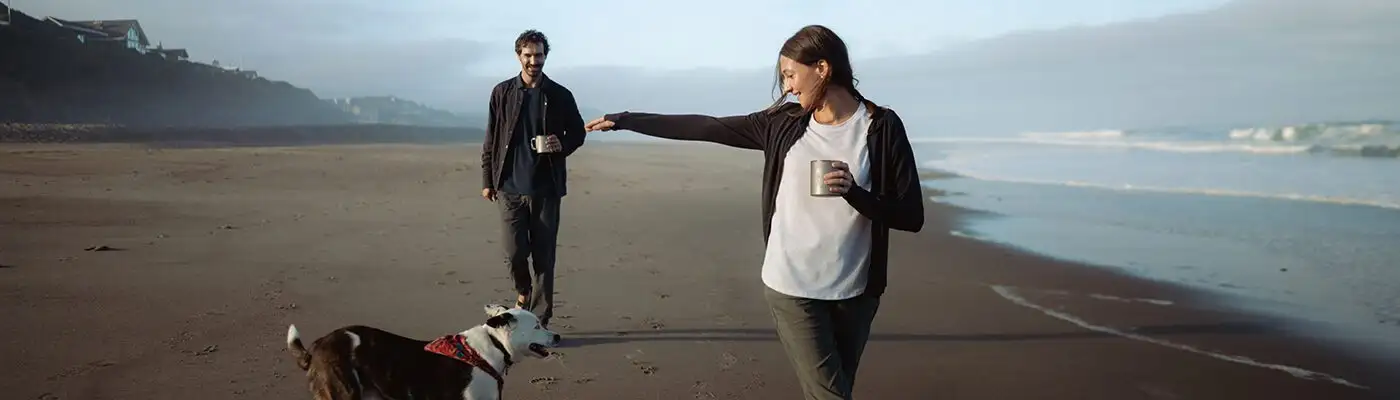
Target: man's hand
x,y
552,145
840,180
599,124
488,194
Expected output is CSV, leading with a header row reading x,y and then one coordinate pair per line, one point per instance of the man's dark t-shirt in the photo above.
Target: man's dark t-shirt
x,y
522,175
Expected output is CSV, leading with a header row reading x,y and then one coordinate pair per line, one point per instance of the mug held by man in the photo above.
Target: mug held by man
x,y
546,144
548,141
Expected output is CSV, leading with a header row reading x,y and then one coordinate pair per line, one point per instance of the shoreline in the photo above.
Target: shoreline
x,y
385,235
1312,318
1064,277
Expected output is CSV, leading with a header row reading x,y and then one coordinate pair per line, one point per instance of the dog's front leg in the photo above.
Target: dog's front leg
x,y
481,390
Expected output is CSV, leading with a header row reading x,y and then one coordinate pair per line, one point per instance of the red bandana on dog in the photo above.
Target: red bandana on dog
x,y
456,346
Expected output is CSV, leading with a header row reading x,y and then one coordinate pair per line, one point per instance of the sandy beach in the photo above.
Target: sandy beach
x,y
129,272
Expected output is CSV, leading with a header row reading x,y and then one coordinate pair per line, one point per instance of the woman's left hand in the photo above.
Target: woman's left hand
x,y
840,180
600,124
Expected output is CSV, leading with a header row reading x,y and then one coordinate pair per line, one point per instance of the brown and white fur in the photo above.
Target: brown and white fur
x,y
360,362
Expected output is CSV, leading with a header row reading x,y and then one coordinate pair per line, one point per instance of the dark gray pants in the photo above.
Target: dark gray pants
x,y
529,229
824,340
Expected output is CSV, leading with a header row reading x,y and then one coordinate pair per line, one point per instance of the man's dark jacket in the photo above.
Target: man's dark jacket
x,y
561,118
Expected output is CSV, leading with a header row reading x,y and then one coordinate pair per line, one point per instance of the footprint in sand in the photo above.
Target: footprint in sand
x,y
644,366
727,361
544,381
207,350
755,382
655,324
700,390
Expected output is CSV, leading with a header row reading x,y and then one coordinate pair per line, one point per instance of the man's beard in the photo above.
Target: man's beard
x,y
534,69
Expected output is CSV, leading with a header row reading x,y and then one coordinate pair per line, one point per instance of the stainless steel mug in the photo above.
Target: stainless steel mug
x,y
818,180
539,143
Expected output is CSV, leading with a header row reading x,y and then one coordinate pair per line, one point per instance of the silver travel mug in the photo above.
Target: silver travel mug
x,y
818,180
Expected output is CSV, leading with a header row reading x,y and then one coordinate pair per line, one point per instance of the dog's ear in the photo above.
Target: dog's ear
x,y
495,309
500,320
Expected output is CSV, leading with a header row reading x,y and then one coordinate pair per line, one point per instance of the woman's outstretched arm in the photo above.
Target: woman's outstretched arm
x,y
742,131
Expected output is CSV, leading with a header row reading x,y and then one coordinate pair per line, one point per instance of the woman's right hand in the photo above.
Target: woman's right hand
x,y
600,124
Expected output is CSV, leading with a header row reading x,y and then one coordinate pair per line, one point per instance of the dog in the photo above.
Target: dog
x,y
360,362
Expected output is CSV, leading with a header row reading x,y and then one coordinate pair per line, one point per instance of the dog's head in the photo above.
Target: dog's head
x,y
521,329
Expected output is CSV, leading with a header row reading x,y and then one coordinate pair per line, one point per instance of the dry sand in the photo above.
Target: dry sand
x,y
214,251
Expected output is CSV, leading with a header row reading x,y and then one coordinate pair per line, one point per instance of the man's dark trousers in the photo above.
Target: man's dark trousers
x,y
530,228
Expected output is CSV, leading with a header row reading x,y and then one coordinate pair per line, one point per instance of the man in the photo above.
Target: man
x,y
526,180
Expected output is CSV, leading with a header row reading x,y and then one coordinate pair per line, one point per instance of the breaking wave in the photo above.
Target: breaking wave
x,y
1180,147
1103,134
1360,133
1371,140
1390,204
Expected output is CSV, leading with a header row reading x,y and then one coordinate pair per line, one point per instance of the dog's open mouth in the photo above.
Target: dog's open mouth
x,y
539,349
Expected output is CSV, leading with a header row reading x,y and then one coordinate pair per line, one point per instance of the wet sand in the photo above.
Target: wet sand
x,y
208,254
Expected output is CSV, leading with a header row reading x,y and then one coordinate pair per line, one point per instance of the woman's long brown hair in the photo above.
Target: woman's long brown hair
x,y
811,44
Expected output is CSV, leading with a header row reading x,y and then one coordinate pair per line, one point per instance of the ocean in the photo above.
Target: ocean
x,y
1300,221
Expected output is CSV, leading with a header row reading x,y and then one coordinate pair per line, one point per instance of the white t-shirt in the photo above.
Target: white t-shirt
x,y
819,247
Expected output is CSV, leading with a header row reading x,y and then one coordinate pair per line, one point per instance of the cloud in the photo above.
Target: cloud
x,y
1250,62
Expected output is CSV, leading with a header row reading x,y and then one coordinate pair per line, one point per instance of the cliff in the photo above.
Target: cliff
x,y
48,76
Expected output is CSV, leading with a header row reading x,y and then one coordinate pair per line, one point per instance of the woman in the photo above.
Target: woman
x,y
824,266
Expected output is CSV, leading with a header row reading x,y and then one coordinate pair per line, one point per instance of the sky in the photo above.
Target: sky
x,y
952,66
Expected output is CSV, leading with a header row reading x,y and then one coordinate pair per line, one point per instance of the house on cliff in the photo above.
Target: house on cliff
x,y
171,54
79,32
120,32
